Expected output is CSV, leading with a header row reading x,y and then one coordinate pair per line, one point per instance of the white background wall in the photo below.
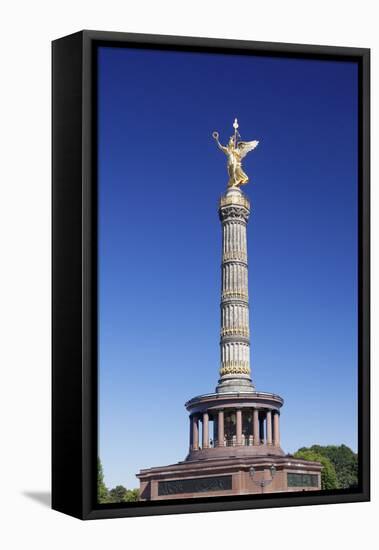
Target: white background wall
x,y
27,29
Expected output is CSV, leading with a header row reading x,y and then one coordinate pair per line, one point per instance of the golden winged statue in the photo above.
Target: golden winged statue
x,y
236,151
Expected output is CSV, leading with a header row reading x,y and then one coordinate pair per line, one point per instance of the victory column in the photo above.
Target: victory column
x,y
234,439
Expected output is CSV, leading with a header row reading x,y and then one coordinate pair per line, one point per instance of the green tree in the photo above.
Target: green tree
x,y
102,491
344,460
121,494
118,494
132,495
328,473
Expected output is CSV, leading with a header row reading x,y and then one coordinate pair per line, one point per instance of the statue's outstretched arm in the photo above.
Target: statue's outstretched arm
x,y
221,147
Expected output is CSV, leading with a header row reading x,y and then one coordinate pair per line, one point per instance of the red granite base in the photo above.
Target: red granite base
x,y
229,476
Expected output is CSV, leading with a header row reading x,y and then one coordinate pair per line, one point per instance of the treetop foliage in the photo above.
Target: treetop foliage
x,y
343,460
115,495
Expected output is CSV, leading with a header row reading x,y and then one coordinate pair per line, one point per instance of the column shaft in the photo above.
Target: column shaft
x,y
191,433
255,427
239,427
261,429
234,212
205,430
195,433
269,428
276,429
220,429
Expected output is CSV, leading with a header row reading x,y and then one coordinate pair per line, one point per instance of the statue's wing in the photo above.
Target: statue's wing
x,y
245,147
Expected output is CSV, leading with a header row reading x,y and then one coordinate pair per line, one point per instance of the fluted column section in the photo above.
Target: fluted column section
x,y
234,213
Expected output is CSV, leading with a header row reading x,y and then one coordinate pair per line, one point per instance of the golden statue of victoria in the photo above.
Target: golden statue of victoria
x,y
236,151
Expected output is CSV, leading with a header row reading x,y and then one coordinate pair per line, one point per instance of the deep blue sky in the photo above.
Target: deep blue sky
x,y
160,178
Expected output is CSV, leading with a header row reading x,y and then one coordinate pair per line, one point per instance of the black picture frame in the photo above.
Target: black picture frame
x,y
74,273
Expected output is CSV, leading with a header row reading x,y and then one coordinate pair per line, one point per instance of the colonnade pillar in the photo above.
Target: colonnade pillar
x,y
191,433
195,433
269,435
255,427
268,428
276,429
239,427
261,429
205,430
220,429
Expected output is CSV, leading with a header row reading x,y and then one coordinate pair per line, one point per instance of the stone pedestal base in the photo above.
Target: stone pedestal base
x,y
231,476
235,384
